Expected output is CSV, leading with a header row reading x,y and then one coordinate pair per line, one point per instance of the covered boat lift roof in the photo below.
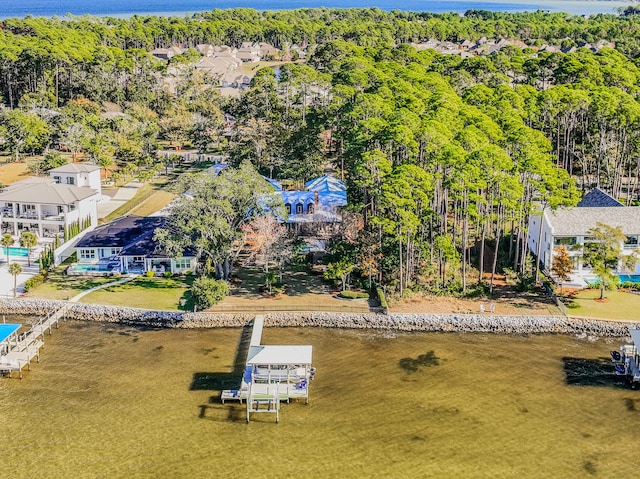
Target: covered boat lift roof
x,y
283,355
7,330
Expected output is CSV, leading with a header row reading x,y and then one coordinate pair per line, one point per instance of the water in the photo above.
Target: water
x,y
92,267
111,401
15,251
11,8
629,278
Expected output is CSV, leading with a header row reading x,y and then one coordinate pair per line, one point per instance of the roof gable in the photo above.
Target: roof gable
x,y
598,198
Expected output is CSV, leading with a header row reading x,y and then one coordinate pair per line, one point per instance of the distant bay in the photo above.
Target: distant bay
x,y
127,8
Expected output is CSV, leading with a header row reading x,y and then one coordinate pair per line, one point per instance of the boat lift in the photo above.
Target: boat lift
x,y
627,360
272,375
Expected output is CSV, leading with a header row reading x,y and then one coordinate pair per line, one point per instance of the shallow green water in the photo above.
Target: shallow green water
x,y
110,401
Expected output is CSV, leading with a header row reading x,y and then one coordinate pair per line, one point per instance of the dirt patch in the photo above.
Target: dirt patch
x,y
508,305
12,172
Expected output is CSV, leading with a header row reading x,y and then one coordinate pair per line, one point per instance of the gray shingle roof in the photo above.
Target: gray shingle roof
x,y
577,221
44,191
75,168
598,198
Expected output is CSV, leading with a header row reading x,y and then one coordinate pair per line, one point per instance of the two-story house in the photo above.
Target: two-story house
x,y
570,227
44,207
78,174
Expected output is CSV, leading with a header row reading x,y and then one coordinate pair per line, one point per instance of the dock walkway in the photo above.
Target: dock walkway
x,y
24,348
272,374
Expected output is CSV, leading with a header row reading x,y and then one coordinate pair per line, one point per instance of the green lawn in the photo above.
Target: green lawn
x,y
618,305
61,286
148,293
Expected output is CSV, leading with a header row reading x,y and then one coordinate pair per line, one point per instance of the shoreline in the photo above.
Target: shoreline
x,y
404,322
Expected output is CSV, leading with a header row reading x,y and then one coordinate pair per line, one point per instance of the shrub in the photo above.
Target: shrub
x,y
168,274
33,282
354,295
149,274
381,298
208,291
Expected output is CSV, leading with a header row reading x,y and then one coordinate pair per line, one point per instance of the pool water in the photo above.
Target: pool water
x,y
15,251
629,278
92,267
116,401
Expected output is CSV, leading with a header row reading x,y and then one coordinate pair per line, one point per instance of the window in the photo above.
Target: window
x,y
57,179
70,180
87,254
299,208
288,207
183,263
310,208
631,242
564,240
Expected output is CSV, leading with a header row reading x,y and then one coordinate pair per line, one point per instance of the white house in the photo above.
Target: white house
x,y
569,227
44,207
127,245
78,174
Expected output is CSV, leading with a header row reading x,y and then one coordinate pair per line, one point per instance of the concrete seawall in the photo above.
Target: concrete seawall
x,y
480,323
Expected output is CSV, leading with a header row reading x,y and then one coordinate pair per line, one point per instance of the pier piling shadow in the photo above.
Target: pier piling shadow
x,y
590,372
217,381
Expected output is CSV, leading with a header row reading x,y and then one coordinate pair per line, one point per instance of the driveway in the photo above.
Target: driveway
x,y
121,196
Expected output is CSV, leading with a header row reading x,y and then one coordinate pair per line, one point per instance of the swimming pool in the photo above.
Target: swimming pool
x,y
15,251
92,267
629,278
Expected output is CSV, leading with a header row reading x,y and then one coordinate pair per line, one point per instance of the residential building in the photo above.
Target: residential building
x,y
128,245
320,201
78,174
570,227
47,208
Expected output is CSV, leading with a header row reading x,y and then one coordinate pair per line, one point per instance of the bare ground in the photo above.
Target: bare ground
x,y
505,299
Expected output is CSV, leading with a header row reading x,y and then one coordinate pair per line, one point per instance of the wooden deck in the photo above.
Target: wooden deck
x,y
24,348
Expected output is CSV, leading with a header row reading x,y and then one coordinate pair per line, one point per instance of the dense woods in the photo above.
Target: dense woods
x,y
445,157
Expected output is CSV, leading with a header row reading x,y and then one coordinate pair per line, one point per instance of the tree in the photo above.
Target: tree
x,y
266,238
562,264
7,241
15,269
28,240
603,251
340,269
208,291
210,215
24,132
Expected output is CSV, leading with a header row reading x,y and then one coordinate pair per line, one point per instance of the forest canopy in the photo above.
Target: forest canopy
x,y
445,156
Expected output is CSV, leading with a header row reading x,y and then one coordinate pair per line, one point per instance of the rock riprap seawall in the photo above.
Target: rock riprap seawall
x,y
481,323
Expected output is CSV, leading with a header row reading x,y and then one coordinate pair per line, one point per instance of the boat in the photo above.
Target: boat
x,y
627,360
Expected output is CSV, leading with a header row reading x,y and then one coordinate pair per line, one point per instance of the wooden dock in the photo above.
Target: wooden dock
x,y
24,348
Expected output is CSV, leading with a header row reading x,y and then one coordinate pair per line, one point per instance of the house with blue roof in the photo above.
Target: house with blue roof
x,y
320,201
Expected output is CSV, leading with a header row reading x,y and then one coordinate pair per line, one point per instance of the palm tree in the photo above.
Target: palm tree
x,y
15,269
28,240
6,241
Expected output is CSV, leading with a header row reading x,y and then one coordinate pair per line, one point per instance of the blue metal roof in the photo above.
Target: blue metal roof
x,y
7,329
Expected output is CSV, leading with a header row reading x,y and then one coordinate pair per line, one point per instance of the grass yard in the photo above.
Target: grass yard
x,y
158,200
12,172
304,291
61,286
618,305
147,293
